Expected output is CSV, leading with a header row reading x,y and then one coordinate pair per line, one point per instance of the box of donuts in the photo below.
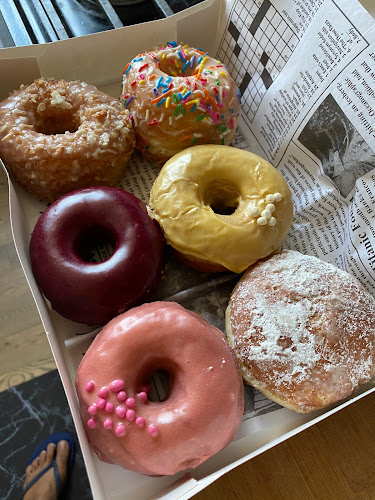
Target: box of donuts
x,y
192,202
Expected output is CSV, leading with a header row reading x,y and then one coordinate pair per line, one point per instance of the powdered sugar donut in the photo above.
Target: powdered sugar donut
x,y
199,416
303,331
58,136
179,96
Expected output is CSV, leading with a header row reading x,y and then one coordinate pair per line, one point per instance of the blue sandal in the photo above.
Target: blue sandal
x,y
55,438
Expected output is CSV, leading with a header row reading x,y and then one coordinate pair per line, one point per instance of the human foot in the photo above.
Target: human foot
x,y
45,488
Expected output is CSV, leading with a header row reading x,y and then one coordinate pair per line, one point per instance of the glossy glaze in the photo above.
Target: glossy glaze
x,y
203,410
93,293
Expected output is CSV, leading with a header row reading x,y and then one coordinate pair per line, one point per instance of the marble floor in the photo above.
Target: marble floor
x,y
31,412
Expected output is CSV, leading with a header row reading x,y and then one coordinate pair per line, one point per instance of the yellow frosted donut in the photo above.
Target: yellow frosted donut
x,y
179,96
221,207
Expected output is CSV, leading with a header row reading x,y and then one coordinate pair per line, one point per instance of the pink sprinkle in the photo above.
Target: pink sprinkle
x,y
224,93
100,403
117,385
215,116
142,396
109,407
108,423
91,423
121,396
231,123
121,411
141,76
103,392
140,422
90,386
92,409
153,430
220,104
130,402
120,430
130,415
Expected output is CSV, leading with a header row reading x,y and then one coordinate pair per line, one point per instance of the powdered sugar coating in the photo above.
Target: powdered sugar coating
x,y
303,330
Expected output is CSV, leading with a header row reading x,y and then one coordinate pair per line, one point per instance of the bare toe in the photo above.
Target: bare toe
x,y
62,455
42,457
51,451
45,487
28,470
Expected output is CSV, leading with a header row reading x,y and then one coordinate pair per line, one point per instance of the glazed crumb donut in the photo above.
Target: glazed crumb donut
x,y
57,136
179,96
195,194
201,412
63,238
303,331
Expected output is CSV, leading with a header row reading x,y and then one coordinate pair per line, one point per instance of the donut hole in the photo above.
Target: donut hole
x,y
168,67
56,121
95,244
223,198
161,381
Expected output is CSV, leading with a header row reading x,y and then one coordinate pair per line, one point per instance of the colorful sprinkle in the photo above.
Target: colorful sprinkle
x,y
130,415
100,403
153,430
108,423
130,403
92,409
117,385
120,430
109,407
121,411
160,102
91,423
185,66
128,101
121,396
142,396
103,392
140,422
181,55
90,386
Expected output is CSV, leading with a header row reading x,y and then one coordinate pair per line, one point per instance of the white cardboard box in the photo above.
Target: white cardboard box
x,y
99,59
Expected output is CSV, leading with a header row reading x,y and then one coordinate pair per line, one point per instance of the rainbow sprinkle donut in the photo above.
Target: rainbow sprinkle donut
x,y
177,97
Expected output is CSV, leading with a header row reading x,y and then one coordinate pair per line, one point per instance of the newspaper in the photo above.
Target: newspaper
x,y
306,73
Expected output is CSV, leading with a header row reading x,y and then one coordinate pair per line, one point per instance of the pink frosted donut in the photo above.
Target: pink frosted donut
x,y
199,416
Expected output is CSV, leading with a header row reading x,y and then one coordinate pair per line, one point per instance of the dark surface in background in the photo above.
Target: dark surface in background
x,y
25,22
31,412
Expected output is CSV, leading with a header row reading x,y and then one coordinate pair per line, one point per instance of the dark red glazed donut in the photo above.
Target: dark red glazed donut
x,y
93,293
